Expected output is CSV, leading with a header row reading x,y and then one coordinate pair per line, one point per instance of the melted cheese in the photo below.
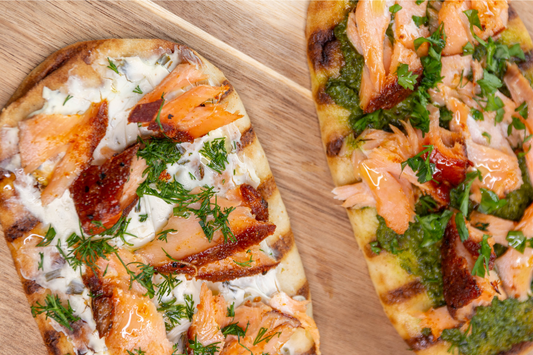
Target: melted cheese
x,y
59,276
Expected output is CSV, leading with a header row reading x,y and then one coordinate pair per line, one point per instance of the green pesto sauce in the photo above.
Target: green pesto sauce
x,y
344,90
495,328
517,200
422,262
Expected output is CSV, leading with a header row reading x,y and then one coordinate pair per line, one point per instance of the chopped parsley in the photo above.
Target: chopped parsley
x,y
482,263
406,78
490,202
517,240
476,114
420,21
395,8
423,168
487,136
461,226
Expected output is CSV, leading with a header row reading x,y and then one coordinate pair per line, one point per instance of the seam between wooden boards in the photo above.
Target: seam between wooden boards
x,y
175,19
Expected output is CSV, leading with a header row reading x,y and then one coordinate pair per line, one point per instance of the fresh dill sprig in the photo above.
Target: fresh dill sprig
x,y
112,66
85,250
48,237
165,288
53,308
138,90
164,234
261,336
189,306
198,349
67,98
173,313
247,263
215,151
41,261
136,352
144,277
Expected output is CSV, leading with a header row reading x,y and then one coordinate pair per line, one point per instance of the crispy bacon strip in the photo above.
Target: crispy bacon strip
x,y
45,136
107,192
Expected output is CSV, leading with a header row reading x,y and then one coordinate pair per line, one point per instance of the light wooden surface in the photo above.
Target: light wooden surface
x,y
260,47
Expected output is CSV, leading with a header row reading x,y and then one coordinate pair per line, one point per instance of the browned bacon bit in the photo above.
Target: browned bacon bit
x,y
252,199
105,193
459,286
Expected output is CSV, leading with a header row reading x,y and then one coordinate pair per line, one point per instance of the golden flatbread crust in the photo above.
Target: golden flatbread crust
x,y
76,59
401,294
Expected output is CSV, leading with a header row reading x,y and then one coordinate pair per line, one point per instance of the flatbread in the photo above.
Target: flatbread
x,y
77,60
401,294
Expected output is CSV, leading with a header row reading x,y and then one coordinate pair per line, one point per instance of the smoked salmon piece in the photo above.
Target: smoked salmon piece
x,y
182,76
456,26
449,152
515,268
187,116
496,227
366,30
521,91
46,136
209,320
437,320
124,315
406,31
266,328
493,16
107,192
251,262
190,245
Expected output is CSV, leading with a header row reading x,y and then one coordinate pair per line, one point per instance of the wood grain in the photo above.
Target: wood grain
x,y
260,47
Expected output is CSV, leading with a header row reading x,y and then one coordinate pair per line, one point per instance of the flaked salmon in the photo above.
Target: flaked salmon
x,y
45,136
264,328
123,313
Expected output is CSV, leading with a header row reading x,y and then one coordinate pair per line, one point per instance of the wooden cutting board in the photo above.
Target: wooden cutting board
x,y
260,46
